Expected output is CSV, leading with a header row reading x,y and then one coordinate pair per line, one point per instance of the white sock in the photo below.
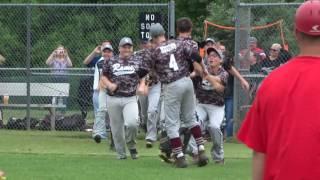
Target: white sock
x,y
201,148
180,155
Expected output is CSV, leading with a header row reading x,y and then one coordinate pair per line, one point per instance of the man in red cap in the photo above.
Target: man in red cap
x,y
283,125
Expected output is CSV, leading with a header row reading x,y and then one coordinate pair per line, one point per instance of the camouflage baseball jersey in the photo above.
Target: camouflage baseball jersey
x,y
144,56
206,94
171,60
124,73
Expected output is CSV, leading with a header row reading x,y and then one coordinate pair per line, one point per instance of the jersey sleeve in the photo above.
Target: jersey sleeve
x,y
253,131
190,47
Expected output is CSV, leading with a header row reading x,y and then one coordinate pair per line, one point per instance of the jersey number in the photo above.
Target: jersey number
x,y
173,64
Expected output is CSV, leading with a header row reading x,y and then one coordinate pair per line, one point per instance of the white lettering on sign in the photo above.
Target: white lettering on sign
x,y
146,20
142,26
150,17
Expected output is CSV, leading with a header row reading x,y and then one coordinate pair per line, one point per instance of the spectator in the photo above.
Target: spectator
x,y
222,47
59,60
253,47
245,53
282,126
255,66
96,59
275,59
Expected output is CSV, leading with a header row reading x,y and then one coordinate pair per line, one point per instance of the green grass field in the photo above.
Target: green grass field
x,y
37,155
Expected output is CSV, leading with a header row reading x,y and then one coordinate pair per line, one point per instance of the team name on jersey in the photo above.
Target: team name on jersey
x,y
119,70
206,85
168,48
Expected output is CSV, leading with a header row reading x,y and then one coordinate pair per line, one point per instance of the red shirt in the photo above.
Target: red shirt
x,y
284,121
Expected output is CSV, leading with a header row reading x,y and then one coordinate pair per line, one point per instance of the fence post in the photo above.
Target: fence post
x,y
171,19
28,63
237,64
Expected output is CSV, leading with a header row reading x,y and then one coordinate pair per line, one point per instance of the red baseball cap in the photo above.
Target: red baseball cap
x,y
307,19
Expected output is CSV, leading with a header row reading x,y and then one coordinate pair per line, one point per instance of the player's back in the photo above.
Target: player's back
x,y
289,105
171,60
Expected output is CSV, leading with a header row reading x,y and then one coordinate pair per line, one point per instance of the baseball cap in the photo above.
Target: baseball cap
x,y
307,18
156,30
276,46
106,46
125,41
252,40
210,40
218,52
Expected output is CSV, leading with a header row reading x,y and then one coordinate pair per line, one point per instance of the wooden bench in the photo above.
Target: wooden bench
x,y
54,90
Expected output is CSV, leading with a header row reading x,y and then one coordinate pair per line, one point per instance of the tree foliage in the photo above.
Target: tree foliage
x,y
81,29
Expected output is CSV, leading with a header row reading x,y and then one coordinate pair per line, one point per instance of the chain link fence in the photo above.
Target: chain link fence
x,y
34,94
264,41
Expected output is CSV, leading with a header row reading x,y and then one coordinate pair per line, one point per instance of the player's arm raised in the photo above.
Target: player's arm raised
x,y
93,54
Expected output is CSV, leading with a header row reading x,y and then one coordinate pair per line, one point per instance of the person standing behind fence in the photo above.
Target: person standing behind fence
x,y
283,125
96,59
59,60
122,76
275,58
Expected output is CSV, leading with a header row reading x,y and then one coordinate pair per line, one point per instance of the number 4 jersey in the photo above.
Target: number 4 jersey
x,y
172,59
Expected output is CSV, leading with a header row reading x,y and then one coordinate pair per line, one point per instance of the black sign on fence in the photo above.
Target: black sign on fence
x,y
146,19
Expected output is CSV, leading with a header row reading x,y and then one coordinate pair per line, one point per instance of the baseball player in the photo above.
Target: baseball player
x,y
149,103
210,94
122,75
171,61
282,126
97,57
